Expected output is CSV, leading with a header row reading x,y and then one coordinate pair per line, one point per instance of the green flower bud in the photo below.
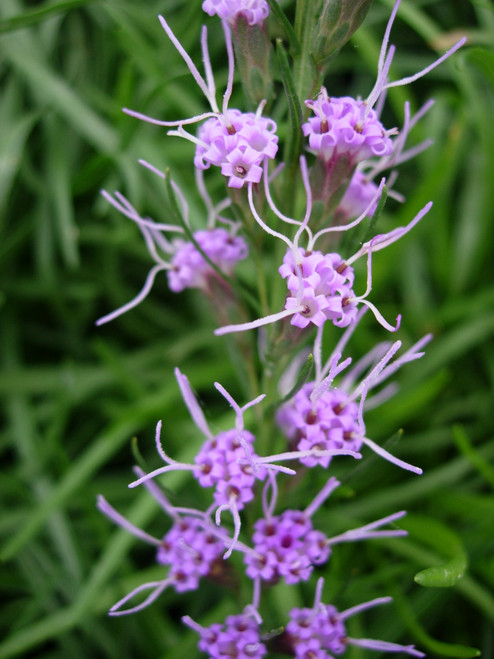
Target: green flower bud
x,y
252,50
338,20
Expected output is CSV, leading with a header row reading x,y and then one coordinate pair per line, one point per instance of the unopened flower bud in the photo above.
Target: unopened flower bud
x,y
339,19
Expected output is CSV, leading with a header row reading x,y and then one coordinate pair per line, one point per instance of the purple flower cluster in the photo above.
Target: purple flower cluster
x,y
221,463
186,267
329,422
322,284
190,550
311,633
286,546
315,632
323,418
237,142
345,127
238,637
189,269
255,12
320,632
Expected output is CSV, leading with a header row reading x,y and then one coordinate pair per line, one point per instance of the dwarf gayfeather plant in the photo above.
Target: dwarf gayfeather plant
x,y
262,482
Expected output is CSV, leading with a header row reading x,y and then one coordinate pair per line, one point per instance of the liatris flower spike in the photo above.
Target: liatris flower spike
x,y
251,519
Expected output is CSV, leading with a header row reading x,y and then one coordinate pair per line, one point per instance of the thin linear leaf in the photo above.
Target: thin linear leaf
x,y
35,16
53,91
446,543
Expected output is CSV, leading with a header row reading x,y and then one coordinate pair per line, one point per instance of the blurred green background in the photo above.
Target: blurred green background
x,y
74,395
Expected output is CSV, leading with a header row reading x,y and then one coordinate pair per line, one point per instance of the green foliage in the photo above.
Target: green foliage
x,y
75,396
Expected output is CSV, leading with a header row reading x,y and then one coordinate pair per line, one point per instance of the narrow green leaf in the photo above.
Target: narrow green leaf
x,y
35,16
446,543
286,25
51,90
61,197
13,143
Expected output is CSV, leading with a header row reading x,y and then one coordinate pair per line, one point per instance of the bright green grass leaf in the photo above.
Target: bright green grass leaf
x,y
476,593
52,90
447,543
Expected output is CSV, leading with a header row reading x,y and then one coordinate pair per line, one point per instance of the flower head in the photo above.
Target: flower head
x,y
322,284
286,547
189,548
345,127
218,466
324,418
226,461
182,260
319,632
331,422
238,143
237,637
